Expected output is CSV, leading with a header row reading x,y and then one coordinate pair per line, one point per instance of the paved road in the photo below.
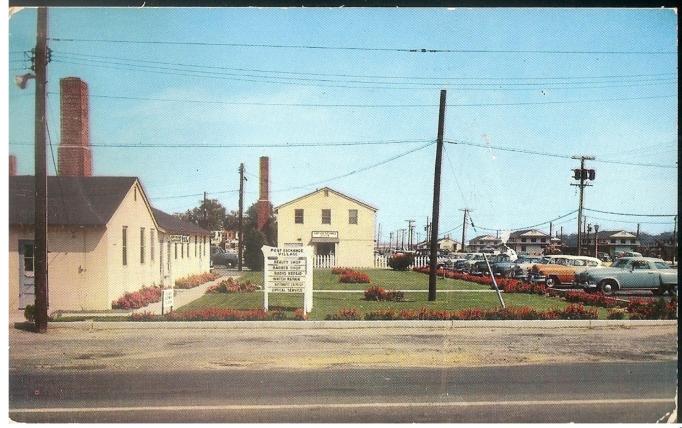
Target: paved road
x,y
585,392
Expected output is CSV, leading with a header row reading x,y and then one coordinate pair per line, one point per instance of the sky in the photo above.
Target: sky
x,y
523,85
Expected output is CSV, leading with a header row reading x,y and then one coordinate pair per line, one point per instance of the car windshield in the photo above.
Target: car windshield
x,y
621,263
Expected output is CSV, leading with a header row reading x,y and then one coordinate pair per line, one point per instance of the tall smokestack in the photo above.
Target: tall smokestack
x,y
12,165
264,198
75,158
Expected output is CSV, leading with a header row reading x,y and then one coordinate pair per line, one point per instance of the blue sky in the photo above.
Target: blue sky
x,y
618,107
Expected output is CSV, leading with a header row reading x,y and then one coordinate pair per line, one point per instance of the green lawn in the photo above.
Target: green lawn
x,y
323,279
329,303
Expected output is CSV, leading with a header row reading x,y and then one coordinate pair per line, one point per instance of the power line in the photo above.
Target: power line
x,y
320,105
208,75
522,228
201,70
554,155
628,222
630,214
368,76
356,48
227,145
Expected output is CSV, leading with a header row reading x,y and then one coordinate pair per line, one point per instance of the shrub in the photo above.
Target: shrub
x,y
232,286
577,312
216,314
299,315
344,314
138,299
660,309
145,316
597,299
376,293
195,280
400,261
383,314
353,277
615,314
30,313
341,270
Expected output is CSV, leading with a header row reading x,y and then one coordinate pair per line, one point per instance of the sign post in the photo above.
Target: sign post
x,y
167,301
289,270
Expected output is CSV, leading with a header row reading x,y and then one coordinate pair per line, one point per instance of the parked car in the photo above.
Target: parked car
x,y
468,262
481,267
223,258
627,273
561,270
522,266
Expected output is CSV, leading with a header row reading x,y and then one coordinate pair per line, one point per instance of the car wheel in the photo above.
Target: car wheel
x,y
608,287
551,282
229,265
659,291
672,290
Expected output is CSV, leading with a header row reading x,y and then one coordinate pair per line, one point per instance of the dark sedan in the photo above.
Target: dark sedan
x,y
223,258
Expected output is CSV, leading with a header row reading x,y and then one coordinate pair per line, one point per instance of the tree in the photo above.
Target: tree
x,y
215,215
253,256
231,221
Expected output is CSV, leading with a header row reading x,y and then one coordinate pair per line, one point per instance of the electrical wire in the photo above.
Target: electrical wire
x,y
629,222
521,228
366,76
630,214
320,105
554,155
355,48
196,74
277,145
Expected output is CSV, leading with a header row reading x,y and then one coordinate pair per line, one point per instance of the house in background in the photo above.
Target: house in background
x,y
613,241
332,223
104,239
483,241
446,243
530,241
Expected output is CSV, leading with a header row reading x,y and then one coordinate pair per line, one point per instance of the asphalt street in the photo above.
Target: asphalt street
x,y
582,392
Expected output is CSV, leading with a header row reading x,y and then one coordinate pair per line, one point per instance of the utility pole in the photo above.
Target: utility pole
x,y
675,240
205,212
390,240
464,225
241,216
596,240
436,199
402,239
40,227
582,174
409,233
427,229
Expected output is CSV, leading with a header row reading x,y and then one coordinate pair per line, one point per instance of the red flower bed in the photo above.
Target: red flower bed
x,y
596,299
571,312
379,294
215,314
644,310
138,299
341,270
195,280
354,277
345,314
232,286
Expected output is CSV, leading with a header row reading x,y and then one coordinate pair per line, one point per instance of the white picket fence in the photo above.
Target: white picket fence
x,y
380,262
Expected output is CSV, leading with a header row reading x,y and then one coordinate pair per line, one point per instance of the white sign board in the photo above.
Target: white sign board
x,y
325,234
179,238
289,270
167,300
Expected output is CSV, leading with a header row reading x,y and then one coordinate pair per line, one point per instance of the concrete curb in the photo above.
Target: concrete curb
x,y
299,325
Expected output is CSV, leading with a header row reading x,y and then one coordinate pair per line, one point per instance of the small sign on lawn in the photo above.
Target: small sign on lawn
x,y
167,301
289,270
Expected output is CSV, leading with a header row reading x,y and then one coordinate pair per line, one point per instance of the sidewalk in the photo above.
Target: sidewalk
x,y
183,297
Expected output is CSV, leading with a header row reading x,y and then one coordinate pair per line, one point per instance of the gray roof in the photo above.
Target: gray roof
x,y
82,201
172,224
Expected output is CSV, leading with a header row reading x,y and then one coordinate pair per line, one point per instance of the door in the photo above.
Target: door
x,y
26,278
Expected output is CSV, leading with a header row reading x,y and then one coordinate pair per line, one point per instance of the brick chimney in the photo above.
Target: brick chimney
x,y
75,158
12,165
264,198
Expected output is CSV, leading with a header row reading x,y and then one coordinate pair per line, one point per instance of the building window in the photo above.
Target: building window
x,y
523,248
151,244
142,245
124,245
542,240
326,216
175,249
613,241
298,216
622,241
352,216
523,239
532,239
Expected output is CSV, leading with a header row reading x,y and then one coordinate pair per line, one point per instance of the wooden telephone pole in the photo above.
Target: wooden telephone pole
x,y
436,199
40,227
241,217
582,176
